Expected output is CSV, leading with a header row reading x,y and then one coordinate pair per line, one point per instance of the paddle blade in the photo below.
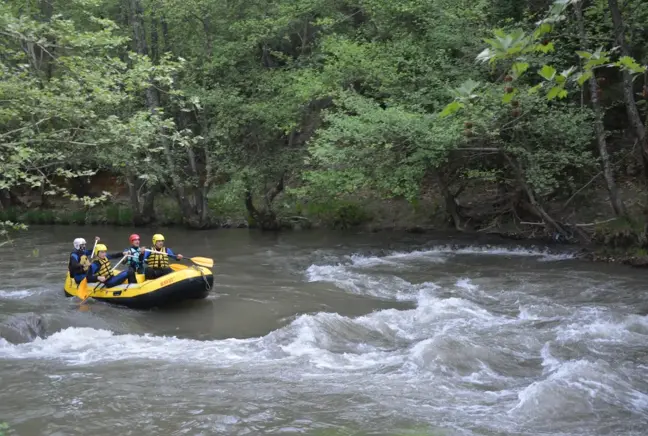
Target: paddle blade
x,y
177,266
203,261
83,289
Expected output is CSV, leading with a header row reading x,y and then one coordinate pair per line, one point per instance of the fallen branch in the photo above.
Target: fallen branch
x,y
297,217
596,223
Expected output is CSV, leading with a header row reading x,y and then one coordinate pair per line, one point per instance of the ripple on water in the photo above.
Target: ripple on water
x,y
471,355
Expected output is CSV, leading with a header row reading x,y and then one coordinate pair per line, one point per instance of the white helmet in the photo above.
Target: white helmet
x,y
79,242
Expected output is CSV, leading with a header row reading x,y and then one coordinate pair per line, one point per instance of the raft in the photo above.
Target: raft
x,y
191,283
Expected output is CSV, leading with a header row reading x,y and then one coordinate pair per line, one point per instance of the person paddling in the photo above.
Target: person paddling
x,y
100,269
157,259
79,261
135,259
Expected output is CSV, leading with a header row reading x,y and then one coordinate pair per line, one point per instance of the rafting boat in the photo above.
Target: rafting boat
x,y
185,283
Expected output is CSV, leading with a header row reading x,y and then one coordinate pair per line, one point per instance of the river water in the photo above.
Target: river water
x,y
326,333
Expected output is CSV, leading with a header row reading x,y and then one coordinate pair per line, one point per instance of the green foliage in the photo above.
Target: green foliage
x,y
517,47
336,213
59,85
199,105
622,233
389,150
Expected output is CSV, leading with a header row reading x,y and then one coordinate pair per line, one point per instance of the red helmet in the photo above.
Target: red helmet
x,y
132,237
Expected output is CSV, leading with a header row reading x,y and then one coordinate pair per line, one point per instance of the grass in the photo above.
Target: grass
x,y
167,214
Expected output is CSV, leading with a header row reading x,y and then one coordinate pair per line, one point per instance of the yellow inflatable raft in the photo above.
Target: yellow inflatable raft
x,y
185,283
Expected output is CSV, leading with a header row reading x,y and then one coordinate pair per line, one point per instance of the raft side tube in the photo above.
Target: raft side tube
x,y
187,284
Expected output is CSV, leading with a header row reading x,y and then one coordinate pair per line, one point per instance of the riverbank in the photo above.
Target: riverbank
x,y
602,240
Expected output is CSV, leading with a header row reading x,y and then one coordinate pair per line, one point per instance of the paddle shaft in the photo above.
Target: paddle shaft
x,y
114,267
159,252
99,284
200,261
93,248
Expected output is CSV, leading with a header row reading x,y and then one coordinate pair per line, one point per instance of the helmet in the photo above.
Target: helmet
x,y
78,242
157,237
133,237
100,247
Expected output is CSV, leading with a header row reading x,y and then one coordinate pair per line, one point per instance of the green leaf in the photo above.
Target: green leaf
x,y
535,89
582,78
486,55
468,87
597,59
544,28
547,72
519,68
451,109
630,64
555,92
584,54
545,48
568,72
508,97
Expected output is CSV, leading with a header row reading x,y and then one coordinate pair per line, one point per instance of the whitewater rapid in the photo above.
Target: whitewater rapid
x,y
471,353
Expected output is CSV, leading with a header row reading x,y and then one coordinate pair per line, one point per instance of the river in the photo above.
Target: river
x,y
326,333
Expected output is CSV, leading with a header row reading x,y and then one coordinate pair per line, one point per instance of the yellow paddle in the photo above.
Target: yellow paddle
x,y
83,289
86,294
200,261
177,267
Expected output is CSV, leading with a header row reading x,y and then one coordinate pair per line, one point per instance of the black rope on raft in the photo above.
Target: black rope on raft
x,y
202,274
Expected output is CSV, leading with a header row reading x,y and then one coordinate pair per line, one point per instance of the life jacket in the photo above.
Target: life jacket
x,y
104,268
134,259
157,260
82,259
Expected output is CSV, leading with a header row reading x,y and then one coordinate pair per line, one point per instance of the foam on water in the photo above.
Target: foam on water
x,y
454,355
382,286
434,252
17,294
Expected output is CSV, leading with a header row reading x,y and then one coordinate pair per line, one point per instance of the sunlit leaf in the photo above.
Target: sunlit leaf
x,y
451,109
547,72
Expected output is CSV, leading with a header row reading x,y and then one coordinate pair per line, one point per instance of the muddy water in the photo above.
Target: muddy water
x,y
329,333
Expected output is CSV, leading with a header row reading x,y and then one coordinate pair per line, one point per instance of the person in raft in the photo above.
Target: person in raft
x,y
80,259
157,259
135,252
100,269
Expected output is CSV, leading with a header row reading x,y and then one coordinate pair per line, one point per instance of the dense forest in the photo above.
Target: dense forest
x,y
484,114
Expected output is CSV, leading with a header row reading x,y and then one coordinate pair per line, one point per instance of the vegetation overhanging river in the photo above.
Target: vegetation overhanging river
x,y
329,333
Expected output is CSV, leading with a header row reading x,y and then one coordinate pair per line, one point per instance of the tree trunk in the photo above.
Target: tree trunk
x,y
5,199
200,209
265,219
45,60
165,34
615,198
628,91
194,213
155,43
44,200
450,202
142,200
532,199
